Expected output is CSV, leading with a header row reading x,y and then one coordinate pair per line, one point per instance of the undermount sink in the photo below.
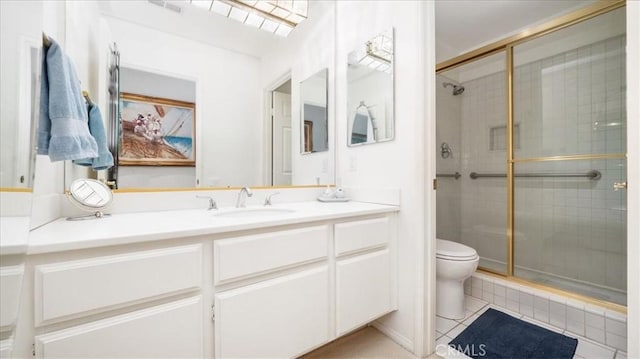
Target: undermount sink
x,y
253,212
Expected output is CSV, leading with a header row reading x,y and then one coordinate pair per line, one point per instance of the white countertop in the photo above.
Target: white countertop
x,y
63,235
14,232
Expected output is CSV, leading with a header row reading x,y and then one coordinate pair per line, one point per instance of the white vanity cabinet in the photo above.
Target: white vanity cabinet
x,y
293,291
269,290
137,287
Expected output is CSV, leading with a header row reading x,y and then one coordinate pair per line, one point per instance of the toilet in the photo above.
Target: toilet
x,y
455,262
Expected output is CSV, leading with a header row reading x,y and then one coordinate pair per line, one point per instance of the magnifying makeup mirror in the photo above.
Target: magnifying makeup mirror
x,y
89,195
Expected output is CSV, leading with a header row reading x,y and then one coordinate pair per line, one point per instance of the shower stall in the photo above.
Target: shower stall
x,y
531,159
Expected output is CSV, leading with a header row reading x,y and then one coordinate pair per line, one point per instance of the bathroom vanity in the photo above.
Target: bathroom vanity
x,y
198,283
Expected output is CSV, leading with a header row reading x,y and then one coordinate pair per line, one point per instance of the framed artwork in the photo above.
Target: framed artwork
x,y
156,131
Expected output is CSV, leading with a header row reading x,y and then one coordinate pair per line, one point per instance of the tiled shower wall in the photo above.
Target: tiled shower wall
x,y
571,228
449,115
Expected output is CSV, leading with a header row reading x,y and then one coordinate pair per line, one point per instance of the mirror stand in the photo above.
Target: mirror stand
x,y
89,195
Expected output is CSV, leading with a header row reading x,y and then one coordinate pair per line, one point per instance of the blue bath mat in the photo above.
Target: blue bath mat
x,y
497,335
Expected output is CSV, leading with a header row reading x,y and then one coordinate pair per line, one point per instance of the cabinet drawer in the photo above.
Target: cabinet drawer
x,y
361,235
172,330
238,257
10,285
92,285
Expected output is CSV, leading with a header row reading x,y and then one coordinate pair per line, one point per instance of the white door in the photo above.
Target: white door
x,y
281,139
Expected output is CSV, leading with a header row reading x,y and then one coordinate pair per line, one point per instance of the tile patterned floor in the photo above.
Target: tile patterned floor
x,y
370,343
447,329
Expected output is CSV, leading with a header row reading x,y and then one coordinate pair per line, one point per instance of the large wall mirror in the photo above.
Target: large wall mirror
x,y
224,68
314,116
370,93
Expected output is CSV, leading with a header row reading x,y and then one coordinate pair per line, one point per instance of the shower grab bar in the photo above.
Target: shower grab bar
x,y
592,175
454,175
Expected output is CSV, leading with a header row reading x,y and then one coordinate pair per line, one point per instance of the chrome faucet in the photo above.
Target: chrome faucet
x,y
267,200
212,202
241,198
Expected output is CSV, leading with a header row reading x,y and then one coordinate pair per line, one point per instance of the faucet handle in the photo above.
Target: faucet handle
x,y
212,202
267,200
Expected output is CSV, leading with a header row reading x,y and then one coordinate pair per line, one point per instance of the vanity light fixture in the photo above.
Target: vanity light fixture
x,y
376,54
275,16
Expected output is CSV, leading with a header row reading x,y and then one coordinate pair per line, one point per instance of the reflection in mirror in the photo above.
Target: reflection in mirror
x,y
315,127
370,91
141,91
138,169
229,66
89,195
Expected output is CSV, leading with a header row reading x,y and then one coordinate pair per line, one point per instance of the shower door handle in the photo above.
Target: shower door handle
x,y
619,185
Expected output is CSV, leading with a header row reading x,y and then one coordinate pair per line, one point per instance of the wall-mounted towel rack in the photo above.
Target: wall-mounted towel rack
x,y
46,42
86,96
592,175
454,175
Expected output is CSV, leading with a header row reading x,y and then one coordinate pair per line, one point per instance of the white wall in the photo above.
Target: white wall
x,y
309,48
394,164
228,150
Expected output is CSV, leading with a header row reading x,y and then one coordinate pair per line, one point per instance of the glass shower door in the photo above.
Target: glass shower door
x,y
570,117
471,134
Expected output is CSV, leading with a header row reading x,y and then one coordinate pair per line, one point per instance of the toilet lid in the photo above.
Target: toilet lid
x,y
450,249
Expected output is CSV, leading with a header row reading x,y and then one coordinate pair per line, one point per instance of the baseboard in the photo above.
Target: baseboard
x,y
394,335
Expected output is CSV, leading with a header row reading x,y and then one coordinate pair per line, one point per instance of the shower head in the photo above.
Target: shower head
x,y
457,89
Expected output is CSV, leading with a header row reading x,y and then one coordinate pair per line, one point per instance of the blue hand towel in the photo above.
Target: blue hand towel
x,y
63,131
96,127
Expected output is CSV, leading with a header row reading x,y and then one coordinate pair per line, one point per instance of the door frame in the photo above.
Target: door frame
x,y
267,124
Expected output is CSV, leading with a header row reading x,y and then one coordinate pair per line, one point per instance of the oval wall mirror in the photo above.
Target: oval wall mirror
x,y
90,195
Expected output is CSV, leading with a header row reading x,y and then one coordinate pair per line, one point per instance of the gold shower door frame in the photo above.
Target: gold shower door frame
x,y
507,45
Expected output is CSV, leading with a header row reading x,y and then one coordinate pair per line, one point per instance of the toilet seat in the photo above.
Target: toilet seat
x,y
453,251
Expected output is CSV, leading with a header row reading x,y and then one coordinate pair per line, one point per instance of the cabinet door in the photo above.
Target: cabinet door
x,y
10,285
6,346
173,330
278,318
363,289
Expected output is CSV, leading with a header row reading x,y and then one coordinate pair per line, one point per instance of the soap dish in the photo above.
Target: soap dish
x,y
333,199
